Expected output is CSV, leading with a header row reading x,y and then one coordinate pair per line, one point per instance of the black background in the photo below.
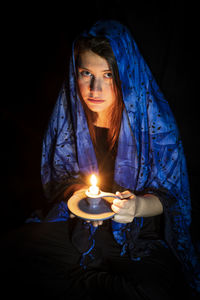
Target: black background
x,y
36,44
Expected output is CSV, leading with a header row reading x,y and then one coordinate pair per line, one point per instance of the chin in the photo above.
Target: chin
x,y
96,109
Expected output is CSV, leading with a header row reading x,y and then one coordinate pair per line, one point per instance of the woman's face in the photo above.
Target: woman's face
x,y
95,81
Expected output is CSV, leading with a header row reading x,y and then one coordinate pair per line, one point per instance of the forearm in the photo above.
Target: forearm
x,y
148,205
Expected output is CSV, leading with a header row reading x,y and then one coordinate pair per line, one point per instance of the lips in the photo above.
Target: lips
x,y
96,101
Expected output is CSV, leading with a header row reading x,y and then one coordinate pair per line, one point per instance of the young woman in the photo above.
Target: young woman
x,y
112,120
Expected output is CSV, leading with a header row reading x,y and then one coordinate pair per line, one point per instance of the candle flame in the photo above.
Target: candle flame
x,y
93,180
93,189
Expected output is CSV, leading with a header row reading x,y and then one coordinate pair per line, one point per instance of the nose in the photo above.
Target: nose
x,y
95,84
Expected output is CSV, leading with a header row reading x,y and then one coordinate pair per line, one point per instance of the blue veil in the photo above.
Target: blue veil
x,y
150,154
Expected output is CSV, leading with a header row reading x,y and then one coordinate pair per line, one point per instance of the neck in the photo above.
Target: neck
x,y
103,120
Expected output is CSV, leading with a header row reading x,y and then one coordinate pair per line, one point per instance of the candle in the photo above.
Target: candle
x,y
93,189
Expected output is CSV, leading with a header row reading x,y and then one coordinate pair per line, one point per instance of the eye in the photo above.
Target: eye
x,y
108,75
86,73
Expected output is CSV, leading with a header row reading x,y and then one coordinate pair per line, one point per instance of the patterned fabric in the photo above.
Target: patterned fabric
x,y
150,154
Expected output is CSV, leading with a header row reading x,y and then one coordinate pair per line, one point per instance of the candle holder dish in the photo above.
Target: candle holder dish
x,y
92,207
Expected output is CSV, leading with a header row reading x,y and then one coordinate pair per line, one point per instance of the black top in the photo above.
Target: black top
x,y
105,159
106,162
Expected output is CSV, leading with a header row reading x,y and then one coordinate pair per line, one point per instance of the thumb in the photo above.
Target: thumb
x,y
119,195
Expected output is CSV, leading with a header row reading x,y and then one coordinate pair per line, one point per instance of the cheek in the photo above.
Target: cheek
x,y
109,91
83,86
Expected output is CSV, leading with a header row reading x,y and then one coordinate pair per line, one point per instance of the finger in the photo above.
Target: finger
x,y
115,208
72,216
122,219
95,223
127,194
100,222
121,203
118,210
119,194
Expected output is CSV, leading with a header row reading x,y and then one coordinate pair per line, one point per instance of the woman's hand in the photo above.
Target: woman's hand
x,y
125,209
147,205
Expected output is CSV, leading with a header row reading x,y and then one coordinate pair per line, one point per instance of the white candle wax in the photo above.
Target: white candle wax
x,y
94,190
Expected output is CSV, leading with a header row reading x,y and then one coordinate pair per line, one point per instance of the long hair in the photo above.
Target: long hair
x,y
101,47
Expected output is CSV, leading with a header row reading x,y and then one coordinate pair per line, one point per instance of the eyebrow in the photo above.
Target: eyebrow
x,y
91,71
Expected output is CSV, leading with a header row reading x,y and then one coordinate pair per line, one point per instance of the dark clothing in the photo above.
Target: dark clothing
x,y
43,259
105,159
40,260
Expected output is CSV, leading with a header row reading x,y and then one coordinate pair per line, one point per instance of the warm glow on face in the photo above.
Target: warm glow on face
x,y
95,82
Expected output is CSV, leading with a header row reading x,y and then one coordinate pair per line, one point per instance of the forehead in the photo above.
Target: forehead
x,y
91,60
